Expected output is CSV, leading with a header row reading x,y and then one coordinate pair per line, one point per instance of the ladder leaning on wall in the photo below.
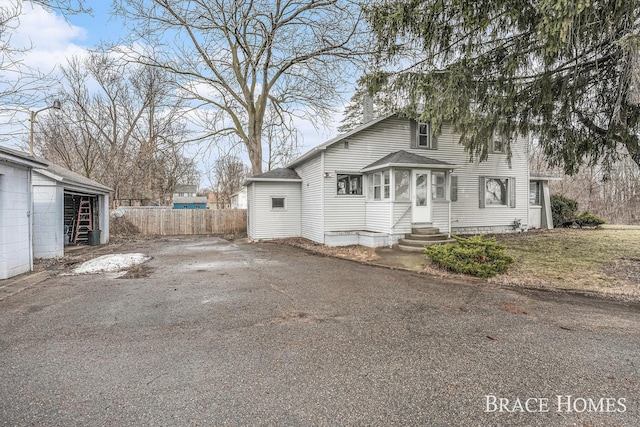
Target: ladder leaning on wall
x,y
84,222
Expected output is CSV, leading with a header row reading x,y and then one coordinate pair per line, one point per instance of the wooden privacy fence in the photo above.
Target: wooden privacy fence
x,y
172,222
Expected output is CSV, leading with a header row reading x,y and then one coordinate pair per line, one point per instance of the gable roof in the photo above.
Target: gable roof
x,y
405,159
280,174
73,181
316,150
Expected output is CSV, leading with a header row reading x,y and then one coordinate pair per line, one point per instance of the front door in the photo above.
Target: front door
x,y
421,196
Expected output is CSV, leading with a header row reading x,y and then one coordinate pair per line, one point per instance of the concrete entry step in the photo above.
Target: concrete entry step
x,y
435,236
425,230
423,243
404,248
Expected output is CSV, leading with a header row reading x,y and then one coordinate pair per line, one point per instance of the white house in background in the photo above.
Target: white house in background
x,y
383,181
239,199
16,255
59,195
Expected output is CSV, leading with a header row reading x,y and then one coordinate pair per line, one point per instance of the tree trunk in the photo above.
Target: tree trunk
x,y
254,143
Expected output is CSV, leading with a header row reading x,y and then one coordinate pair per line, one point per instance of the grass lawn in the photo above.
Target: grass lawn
x,y
604,260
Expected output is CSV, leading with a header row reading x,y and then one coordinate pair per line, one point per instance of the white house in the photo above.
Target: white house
x,y
239,199
16,255
389,181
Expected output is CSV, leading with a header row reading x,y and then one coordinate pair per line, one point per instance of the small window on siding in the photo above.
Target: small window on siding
x,y
277,203
349,184
438,186
453,189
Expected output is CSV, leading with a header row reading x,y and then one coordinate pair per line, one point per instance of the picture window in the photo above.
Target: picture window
x,y
349,185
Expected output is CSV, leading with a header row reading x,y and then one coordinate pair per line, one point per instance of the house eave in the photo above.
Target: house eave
x,y
250,180
544,178
73,186
410,166
317,150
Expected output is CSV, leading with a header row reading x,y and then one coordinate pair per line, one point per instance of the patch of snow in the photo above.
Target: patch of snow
x,y
109,263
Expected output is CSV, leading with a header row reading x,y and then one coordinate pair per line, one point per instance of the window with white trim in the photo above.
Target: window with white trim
x,y
380,185
424,136
349,184
498,145
497,191
534,193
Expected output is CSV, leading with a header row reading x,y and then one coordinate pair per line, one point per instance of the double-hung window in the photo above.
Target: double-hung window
x,y
422,136
498,145
380,185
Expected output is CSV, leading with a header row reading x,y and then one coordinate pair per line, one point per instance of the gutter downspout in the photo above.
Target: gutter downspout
x,y
30,214
449,219
322,192
449,203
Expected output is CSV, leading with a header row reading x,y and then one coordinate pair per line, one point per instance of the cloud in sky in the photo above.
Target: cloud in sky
x,y
52,40
49,36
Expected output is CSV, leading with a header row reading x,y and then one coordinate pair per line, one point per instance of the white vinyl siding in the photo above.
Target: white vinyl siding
x,y
394,134
311,208
48,218
440,216
401,217
15,248
251,214
365,147
378,217
268,223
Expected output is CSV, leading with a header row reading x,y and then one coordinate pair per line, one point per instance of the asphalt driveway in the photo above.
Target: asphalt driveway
x,y
216,333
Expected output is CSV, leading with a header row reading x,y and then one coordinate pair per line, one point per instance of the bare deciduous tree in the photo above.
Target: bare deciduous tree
x,y
229,174
610,192
242,58
121,125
